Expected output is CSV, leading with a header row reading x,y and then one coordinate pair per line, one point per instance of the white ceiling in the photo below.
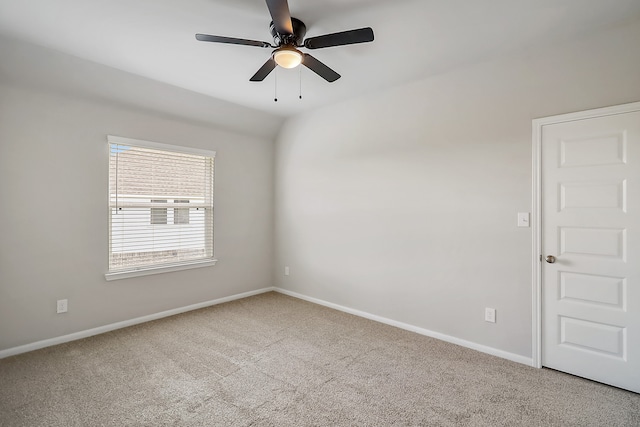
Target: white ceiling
x,y
414,39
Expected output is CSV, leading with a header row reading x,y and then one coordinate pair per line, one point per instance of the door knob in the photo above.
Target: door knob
x,y
550,259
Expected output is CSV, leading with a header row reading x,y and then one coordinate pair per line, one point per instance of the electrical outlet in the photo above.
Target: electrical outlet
x,y
490,315
286,271
62,306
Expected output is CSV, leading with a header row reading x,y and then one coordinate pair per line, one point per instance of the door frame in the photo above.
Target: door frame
x,y
536,266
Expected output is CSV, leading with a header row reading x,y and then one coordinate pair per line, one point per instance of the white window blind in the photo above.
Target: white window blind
x,y
160,203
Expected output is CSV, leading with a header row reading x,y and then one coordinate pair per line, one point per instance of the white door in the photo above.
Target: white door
x,y
591,225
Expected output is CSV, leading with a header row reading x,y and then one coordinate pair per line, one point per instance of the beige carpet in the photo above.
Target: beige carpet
x,y
272,360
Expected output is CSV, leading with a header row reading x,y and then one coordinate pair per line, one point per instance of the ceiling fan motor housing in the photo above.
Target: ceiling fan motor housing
x,y
295,39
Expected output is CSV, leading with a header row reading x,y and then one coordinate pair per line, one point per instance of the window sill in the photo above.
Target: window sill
x,y
125,274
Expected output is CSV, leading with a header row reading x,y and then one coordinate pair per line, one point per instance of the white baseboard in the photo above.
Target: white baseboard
x,y
448,338
118,325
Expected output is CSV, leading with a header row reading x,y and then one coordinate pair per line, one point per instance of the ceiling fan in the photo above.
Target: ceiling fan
x,y
288,35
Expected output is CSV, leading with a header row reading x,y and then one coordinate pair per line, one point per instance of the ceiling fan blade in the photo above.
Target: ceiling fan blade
x,y
264,71
361,35
279,10
319,68
231,40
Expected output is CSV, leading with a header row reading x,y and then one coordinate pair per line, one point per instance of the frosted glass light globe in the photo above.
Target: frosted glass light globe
x,y
287,58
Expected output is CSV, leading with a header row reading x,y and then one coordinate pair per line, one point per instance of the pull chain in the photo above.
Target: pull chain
x,y
275,84
275,89
300,74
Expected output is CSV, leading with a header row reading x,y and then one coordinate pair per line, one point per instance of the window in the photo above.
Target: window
x,y
160,207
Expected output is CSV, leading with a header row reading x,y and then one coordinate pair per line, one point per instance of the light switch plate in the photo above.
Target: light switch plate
x,y
523,219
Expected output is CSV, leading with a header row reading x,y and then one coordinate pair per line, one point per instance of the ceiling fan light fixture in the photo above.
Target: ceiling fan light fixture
x,y
287,57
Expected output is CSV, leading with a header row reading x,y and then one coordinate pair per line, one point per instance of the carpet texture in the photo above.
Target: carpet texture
x,y
273,360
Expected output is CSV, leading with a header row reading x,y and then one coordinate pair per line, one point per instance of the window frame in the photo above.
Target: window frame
x,y
157,269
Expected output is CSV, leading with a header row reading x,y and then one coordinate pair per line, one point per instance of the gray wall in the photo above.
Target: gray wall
x,y
53,215
403,203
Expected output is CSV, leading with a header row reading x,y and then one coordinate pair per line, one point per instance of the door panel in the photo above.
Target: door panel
x,y
602,195
597,242
591,224
593,289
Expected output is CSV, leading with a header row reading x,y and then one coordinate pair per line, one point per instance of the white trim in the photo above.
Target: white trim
x,y
126,323
146,271
443,337
119,325
536,280
111,139
536,296
589,114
